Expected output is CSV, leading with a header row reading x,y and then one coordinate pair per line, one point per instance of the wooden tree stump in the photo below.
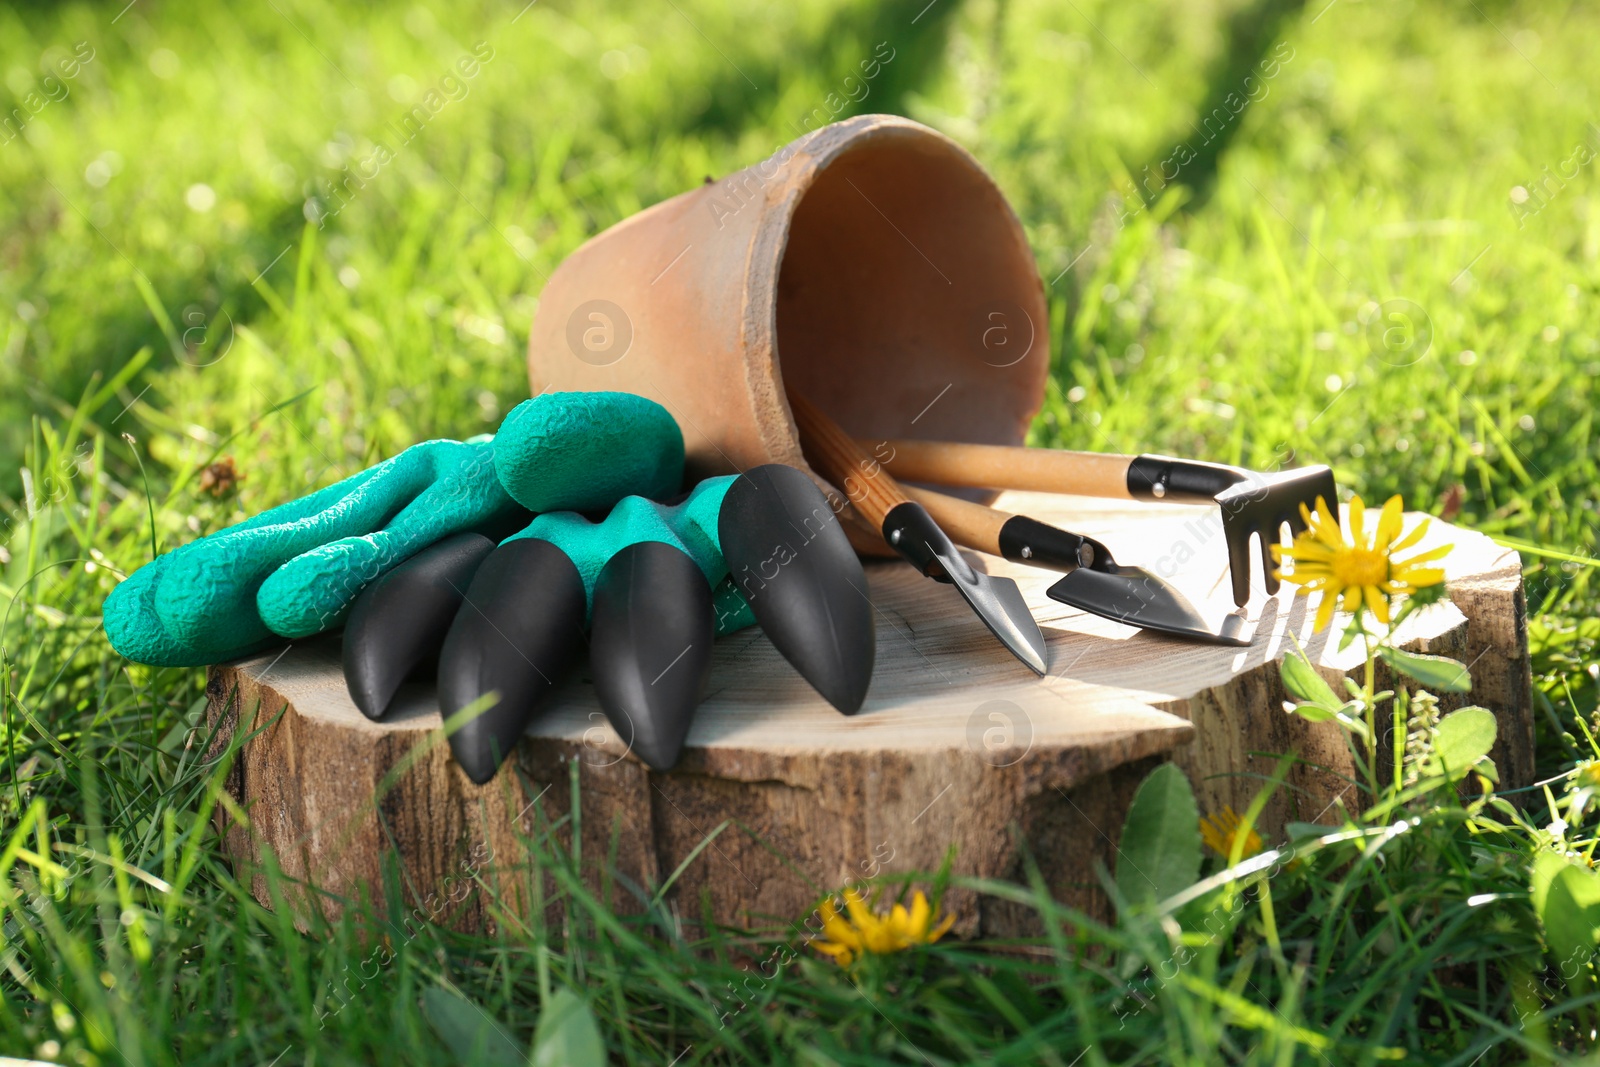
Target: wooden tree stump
x,y
958,745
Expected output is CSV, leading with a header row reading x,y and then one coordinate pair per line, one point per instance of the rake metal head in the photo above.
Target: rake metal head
x,y
1261,505
1251,502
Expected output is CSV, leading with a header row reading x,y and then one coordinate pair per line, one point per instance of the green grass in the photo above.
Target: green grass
x,y
1231,318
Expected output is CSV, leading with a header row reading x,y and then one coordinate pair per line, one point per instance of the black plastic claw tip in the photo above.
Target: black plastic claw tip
x,y
650,647
399,622
791,559
518,633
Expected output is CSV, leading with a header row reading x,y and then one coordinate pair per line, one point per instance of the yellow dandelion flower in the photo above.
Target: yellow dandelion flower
x,y
864,932
1220,830
1363,570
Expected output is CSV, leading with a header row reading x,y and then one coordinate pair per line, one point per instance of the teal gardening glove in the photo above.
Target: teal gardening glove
x,y
294,571
397,550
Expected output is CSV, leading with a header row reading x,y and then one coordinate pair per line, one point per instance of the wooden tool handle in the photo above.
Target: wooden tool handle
x,y
1001,467
874,492
964,522
839,459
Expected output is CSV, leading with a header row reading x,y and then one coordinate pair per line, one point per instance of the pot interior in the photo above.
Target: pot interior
x,y
909,304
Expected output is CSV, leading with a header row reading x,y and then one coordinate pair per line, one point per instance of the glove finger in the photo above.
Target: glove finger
x,y
206,597
586,451
131,622
313,591
309,505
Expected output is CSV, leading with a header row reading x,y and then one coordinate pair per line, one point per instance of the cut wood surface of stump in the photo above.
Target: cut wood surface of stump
x,y
958,746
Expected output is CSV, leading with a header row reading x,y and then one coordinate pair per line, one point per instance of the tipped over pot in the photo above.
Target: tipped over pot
x,y
871,265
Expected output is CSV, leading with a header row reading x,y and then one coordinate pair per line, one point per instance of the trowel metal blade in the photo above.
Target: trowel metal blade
x,y
1134,596
911,531
1000,605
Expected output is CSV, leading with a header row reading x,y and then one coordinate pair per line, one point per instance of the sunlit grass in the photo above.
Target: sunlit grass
x,y
166,303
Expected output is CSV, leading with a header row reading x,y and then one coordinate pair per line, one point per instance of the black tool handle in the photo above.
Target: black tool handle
x,y
1025,540
911,531
1183,481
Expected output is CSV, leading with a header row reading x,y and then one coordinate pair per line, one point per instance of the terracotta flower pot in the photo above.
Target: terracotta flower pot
x,y
871,264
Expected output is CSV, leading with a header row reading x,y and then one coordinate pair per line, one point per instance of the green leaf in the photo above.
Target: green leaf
x,y
1160,850
1351,632
1300,831
1312,712
1464,738
567,1035
1546,865
1438,673
1566,897
1302,681
475,1037
1348,715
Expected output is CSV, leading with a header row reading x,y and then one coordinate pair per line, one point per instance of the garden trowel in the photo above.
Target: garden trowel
x,y
913,533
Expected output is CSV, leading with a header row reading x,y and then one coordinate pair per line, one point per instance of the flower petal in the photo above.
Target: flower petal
x,y
1389,522
880,940
1358,522
1378,603
1424,557
1325,612
841,932
920,912
860,914
1326,528
1413,537
1422,577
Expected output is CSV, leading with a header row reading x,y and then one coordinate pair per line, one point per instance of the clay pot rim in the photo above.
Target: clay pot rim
x,y
759,311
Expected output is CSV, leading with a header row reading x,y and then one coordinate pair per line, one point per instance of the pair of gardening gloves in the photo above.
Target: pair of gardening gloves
x,y
405,557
